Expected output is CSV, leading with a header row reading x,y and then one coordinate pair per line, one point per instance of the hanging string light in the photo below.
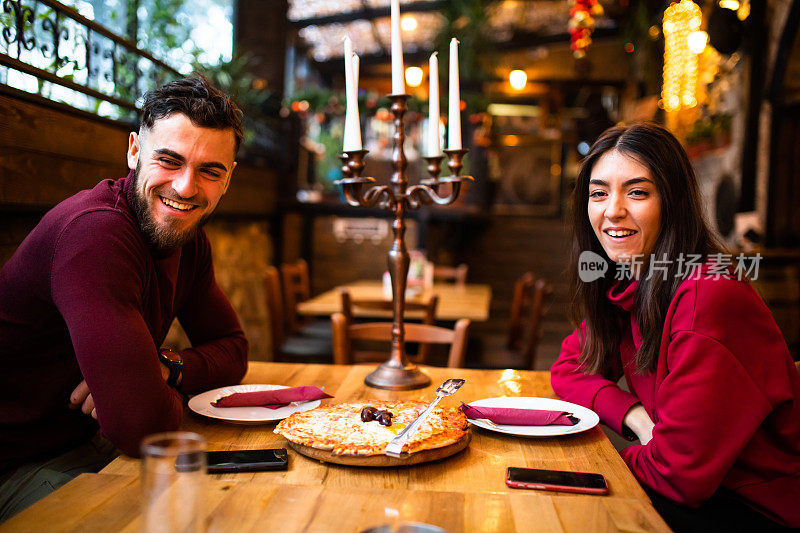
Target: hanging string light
x,y
581,25
680,62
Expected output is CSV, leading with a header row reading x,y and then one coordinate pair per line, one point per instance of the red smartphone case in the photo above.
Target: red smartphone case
x,y
558,488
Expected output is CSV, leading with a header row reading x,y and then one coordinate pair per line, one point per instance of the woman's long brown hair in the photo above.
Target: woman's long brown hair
x,y
683,230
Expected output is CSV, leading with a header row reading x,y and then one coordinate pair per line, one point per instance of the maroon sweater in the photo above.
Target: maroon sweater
x,y
85,297
725,399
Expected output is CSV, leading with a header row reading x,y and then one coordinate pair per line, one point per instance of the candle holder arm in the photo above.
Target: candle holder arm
x,y
357,195
426,194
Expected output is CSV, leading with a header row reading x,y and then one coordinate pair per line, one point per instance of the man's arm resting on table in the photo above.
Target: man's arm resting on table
x,y
98,286
82,398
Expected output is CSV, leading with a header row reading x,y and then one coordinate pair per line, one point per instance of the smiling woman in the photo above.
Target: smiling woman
x,y
624,206
714,396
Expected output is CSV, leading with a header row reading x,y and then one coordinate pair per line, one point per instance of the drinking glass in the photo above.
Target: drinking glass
x,y
173,482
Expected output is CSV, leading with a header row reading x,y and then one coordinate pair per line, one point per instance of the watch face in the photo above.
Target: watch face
x,y
172,356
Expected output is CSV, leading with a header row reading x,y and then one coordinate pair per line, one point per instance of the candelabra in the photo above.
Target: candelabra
x,y
397,373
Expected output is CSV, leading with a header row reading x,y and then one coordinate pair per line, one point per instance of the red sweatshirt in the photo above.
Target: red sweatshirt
x,y
725,399
85,297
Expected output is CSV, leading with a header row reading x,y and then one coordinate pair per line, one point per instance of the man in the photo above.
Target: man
x,y
89,296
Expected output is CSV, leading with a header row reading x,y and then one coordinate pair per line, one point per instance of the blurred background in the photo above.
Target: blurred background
x,y
540,80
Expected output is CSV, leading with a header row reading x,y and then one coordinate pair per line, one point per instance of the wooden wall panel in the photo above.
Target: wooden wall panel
x,y
48,154
39,128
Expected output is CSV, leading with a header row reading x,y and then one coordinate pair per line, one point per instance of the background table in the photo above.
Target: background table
x,y
455,302
465,492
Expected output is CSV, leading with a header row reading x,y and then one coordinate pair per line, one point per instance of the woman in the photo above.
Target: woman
x,y
714,395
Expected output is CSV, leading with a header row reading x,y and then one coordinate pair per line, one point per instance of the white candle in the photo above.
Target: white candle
x,y
454,117
398,73
434,150
352,128
355,71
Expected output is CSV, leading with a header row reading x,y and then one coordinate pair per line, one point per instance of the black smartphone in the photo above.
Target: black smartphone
x,y
559,480
247,460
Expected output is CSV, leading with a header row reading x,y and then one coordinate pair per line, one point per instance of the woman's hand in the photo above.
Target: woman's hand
x,y
639,422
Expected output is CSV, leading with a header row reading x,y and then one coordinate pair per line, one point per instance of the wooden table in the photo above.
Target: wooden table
x,y
467,301
465,492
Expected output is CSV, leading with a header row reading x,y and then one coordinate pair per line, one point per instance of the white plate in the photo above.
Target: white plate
x,y
201,404
588,418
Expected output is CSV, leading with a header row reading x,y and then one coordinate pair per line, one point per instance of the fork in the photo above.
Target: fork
x,y
395,447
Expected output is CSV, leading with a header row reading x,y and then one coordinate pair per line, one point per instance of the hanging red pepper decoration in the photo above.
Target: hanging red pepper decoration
x,y
581,25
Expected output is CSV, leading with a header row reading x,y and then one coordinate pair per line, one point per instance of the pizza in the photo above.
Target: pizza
x,y
345,429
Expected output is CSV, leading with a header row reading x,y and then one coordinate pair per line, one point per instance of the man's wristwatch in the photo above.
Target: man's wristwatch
x,y
174,363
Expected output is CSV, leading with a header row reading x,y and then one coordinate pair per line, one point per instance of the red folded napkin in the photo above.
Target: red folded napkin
x,y
520,417
272,399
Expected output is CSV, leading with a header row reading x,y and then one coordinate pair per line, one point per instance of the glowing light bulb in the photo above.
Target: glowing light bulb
x,y
682,43
414,76
697,41
518,79
408,23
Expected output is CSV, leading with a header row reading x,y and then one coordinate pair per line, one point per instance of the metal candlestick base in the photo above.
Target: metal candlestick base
x,y
397,373
392,377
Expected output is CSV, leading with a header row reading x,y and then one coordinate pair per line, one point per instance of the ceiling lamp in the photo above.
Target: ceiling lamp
x,y
518,79
414,76
408,23
680,63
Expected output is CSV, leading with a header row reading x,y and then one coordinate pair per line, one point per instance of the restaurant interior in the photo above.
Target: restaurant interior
x,y
539,81
536,81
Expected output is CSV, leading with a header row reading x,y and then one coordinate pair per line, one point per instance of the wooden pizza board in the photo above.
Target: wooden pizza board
x,y
383,460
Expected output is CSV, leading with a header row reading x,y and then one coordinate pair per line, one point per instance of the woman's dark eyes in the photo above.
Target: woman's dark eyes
x,y
636,193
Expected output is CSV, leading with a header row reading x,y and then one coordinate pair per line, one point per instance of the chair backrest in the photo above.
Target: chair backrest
x,y
528,306
428,317
428,308
344,333
456,274
272,288
520,301
541,293
296,288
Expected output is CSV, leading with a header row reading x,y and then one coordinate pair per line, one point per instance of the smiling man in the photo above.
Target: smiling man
x,y
90,294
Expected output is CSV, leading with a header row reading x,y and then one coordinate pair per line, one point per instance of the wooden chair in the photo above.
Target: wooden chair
x,y
456,274
296,287
528,307
344,333
527,310
290,347
519,301
542,291
427,308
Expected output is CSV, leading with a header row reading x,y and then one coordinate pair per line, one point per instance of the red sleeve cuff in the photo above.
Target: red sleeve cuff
x,y
612,404
192,370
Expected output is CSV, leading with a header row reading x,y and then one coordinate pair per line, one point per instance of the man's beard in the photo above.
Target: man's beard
x,y
160,236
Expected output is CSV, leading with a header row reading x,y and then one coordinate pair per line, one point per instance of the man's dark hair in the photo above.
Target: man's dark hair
x,y
195,97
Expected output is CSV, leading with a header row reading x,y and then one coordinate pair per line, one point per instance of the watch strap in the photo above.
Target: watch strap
x,y
174,364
